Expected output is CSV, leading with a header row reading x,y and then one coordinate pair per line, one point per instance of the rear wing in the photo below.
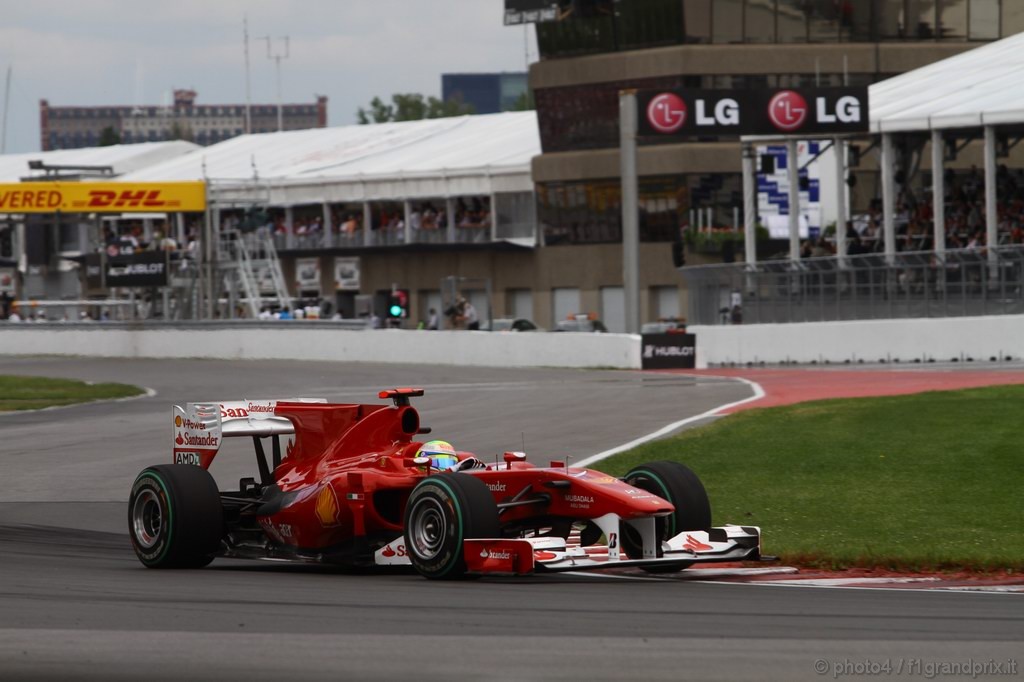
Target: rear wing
x,y
200,427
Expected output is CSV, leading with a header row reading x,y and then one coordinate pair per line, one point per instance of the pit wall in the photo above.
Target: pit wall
x,y
296,342
941,340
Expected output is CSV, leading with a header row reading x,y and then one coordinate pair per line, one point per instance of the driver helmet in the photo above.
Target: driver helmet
x,y
441,454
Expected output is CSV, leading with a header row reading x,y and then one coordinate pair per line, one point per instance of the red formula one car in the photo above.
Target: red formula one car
x,y
352,490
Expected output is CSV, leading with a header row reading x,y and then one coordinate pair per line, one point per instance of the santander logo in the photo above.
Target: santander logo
x,y
666,113
788,110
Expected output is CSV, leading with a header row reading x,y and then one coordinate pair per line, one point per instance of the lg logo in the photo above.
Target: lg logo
x,y
667,113
787,110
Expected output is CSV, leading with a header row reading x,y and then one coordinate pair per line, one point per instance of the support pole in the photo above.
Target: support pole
x,y
449,209
991,215
749,205
889,198
367,224
938,195
407,214
630,210
328,235
793,172
839,149
289,226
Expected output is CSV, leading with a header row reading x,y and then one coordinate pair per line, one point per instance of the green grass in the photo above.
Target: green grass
x,y
927,481
33,393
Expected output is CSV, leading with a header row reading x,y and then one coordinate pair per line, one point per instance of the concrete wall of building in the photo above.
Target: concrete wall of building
x,y
908,341
588,267
308,341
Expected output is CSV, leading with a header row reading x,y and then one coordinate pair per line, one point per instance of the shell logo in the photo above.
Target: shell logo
x,y
327,507
177,421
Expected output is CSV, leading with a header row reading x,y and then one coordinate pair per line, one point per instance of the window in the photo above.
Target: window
x,y
823,18
984,16
520,304
613,309
665,302
727,21
759,21
793,21
1013,18
953,19
565,302
919,19
697,21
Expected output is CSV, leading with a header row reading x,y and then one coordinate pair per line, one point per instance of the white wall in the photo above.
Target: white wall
x,y
328,344
871,340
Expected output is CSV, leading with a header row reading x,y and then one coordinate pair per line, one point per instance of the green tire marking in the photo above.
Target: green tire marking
x,y
170,512
458,513
666,496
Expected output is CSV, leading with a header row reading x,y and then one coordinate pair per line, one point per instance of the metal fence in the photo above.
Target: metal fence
x,y
863,287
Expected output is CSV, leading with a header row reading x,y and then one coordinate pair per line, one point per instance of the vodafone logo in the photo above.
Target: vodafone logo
x,y
788,110
666,113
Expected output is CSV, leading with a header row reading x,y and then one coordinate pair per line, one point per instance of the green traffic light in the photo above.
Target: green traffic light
x,y
396,311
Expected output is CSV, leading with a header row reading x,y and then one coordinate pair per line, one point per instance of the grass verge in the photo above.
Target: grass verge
x,y
922,482
33,393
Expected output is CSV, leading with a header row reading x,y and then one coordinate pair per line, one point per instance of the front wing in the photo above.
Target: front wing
x,y
555,554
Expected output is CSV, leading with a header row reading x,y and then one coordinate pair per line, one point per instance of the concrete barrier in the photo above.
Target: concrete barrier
x,y
938,339
314,341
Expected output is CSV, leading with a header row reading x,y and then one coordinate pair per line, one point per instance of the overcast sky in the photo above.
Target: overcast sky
x,y
94,52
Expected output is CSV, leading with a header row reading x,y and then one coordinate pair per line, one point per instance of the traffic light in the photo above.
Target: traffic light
x,y
398,304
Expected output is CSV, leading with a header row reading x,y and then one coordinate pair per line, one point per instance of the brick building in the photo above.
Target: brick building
x,y
205,124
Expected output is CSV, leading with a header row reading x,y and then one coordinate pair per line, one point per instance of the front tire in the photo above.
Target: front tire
x,y
175,518
679,485
442,511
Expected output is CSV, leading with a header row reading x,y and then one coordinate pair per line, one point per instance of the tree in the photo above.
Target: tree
x,y
411,107
109,137
524,102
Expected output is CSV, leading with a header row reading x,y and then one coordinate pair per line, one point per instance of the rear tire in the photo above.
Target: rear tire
x,y
679,485
175,518
442,511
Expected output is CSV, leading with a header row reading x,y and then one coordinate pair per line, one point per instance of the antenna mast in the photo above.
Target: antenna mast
x,y
7,99
248,88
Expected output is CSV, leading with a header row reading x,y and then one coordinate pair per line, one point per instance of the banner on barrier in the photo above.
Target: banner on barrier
x,y
102,197
668,351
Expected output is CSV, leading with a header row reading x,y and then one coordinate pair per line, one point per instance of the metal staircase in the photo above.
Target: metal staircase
x,y
244,258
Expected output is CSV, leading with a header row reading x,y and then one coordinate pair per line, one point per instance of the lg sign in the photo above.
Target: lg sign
x,y
667,112
765,112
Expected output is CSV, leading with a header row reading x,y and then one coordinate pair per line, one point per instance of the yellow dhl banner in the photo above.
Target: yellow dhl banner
x,y
102,197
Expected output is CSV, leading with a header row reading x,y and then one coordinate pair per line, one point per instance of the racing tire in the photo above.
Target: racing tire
x,y
679,485
442,511
175,517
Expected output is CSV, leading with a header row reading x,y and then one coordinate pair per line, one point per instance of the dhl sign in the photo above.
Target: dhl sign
x,y
102,197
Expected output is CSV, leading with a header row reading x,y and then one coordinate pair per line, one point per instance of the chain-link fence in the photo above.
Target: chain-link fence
x,y
863,287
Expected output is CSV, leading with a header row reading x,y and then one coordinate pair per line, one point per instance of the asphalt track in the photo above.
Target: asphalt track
x,y
75,603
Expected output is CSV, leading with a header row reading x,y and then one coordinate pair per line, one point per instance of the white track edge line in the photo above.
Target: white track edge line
x,y
664,431
147,393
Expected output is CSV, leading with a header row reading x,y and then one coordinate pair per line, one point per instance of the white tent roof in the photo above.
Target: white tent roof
x,y
430,158
124,158
984,86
